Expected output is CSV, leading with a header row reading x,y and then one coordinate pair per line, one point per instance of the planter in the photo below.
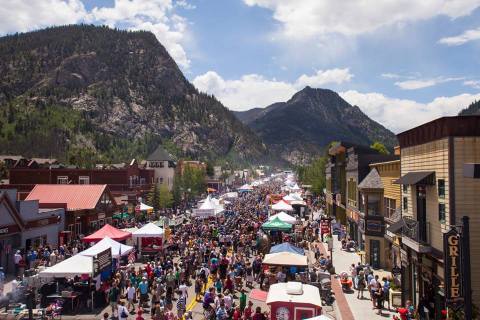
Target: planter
x,y
396,298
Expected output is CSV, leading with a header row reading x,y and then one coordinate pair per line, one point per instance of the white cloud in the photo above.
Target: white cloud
x,y
424,83
472,83
185,5
253,90
307,18
466,36
157,16
249,91
401,114
26,15
337,76
389,75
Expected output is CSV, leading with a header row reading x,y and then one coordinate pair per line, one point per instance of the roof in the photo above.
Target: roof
x,y
107,231
285,259
286,247
45,160
279,292
76,265
371,181
75,196
160,154
420,177
458,126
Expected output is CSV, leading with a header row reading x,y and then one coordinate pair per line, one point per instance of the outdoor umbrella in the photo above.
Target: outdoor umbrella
x,y
276,225
286,247
122,215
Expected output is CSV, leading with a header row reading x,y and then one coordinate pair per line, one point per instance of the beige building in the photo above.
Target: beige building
x,y
439,184
163,165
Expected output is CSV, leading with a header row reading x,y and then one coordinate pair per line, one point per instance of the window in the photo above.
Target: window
x,y
161,180
171,164
62,180
352,192
84,180
373,205
93,225
389,206
441,212
78,228
70,228
405,203
405,188
441,188
161,164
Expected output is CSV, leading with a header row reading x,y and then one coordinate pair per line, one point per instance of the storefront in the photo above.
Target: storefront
x,y
353,230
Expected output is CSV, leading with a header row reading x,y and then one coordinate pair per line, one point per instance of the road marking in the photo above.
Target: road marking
x,y
194,302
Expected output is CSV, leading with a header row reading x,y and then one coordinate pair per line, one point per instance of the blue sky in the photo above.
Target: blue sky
x,y
402,62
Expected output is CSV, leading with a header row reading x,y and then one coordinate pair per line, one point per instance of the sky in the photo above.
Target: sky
x,y
403,62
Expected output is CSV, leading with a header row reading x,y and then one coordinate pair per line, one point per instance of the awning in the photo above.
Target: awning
x,y
397,226
420,177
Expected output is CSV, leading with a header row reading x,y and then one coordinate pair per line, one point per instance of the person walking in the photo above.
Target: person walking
x,y
360,284
386,291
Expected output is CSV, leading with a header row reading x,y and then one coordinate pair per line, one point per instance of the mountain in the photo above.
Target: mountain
x,y
85,91
472,109
301,127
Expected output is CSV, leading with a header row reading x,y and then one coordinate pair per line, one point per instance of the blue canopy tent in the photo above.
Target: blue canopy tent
x,y
286,247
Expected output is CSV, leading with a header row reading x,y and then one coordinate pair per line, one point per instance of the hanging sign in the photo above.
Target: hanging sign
x,y
102,261
453,277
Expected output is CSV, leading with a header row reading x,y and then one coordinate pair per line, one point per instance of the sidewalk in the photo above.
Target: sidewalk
x,y
361,309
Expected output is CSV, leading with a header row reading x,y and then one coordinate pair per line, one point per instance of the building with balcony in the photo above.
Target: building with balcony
x,y
357,168
378,205
438,187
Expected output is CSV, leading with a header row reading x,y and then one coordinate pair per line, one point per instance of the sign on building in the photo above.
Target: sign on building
x,y
453,267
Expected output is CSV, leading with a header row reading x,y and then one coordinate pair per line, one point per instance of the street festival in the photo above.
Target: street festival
x,y
262,251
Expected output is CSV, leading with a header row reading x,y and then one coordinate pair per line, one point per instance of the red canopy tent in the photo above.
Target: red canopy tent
x,y
107,231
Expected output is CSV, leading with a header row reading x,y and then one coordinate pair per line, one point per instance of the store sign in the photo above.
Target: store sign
x,y
101,261
325,226
453,279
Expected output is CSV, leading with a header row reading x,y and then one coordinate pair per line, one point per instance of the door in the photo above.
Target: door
x,y
375,253
422,213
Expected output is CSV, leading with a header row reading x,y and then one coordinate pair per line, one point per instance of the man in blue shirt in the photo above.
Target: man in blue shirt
x,y
143,288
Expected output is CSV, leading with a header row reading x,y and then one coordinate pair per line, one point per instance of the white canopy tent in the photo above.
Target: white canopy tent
x,y
282,206
229,195
246,187
150,230
285,259
71,267
118,249
209,208
295,187
289,197
285,217
144,207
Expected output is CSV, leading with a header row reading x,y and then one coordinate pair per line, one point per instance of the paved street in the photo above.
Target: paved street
x,y
353,308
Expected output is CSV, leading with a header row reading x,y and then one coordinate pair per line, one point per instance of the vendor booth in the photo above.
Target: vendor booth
x,y
245,188
107,231
293,301
285,217
282,206
142,207
208,209
285,259
118,249
150,238
77,265
287,247
277,225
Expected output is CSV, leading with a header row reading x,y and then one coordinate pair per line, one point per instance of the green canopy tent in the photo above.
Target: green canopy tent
x,y
276,225
122,215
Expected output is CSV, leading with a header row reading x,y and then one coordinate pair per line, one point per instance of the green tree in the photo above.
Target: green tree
x,y
153,197
210,171
165,197
380,147
83,157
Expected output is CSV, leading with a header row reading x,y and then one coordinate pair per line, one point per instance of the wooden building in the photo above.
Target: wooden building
x,y
87,207
438,187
